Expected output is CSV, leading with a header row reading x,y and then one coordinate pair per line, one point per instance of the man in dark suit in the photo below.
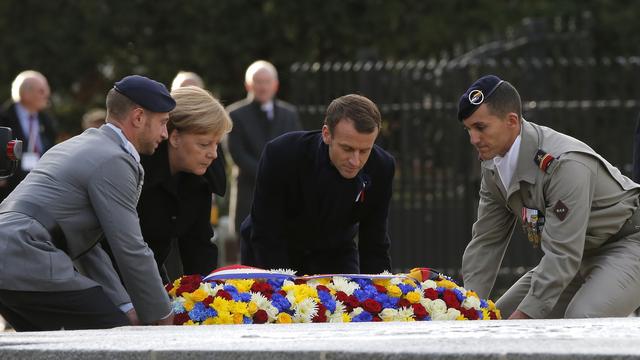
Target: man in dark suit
x,y
316,191
54,272
257,119
25,116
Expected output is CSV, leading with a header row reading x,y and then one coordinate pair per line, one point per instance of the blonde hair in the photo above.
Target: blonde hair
x,y
257,66
197,111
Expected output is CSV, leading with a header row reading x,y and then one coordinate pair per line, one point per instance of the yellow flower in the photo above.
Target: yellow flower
x,y
242,285
210,321
394,291
485,314
252,308
382,282
346,318
188,304
461,317
498,315
413,297
195,296
492,305
172,292
446,284
474,294
223,317
283,318
238,307
220,305
237,318
323,281
190,322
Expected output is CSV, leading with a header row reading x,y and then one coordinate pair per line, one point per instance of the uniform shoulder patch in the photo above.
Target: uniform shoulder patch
x,y
561,210
543,160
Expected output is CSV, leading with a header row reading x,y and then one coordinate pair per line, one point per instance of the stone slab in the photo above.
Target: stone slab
x,y
524,339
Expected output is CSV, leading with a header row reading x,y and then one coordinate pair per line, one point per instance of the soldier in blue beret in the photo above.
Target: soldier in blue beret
x,y
55,273
570,201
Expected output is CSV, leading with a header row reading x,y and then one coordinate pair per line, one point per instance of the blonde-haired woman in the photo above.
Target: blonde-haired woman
x,y
175,205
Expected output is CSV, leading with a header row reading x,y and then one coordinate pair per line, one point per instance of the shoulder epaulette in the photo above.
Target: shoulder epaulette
x,y
543,160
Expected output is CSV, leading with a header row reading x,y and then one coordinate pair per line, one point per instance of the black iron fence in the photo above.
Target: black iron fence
x,y
562,84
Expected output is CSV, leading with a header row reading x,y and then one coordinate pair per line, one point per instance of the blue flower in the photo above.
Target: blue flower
x,y
327,300
362,282
245,297
362,317
231,289
406,288
280,302
276,283
247,320
210,312
459,295
483,304
177,307
198,313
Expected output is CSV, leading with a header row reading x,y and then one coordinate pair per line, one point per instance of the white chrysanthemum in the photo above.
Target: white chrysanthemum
x,y
453,314
405,314
425,302
336,316
288,283
439,317
340,283
396,280
471,302
272,312
283,271
260,300
388,314
386,273
436,307
215,289
305,310
429,284
355,312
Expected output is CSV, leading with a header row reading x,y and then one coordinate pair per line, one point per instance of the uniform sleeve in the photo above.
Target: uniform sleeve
x,y
374,241
268,213
238,150
490,237
199,255
568,197
113,195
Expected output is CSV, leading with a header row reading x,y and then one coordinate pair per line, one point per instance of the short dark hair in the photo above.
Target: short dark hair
x,y
505,99
357,108
118,105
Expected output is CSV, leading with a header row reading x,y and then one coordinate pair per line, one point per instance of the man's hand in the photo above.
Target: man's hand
x,y
133,317
517,315
166,321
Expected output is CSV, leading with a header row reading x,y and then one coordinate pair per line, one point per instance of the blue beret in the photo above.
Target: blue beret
x,y
147,93
476,94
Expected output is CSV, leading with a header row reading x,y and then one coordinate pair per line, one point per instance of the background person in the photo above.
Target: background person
x,y
54,273
175,205
316,191
256,120
186,78
576,206
26,117
94,118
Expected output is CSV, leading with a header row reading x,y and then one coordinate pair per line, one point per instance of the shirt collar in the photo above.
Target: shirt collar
x,y
506,164
126,144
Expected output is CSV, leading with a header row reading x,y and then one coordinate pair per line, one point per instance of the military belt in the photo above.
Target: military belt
x,y
630,226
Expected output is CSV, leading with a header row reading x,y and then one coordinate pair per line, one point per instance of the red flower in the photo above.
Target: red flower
x,y
208,300
321,316
493,315
419,311
342,296
451,299
404,303
299,281
189,283
168,287
352,301
431,294
262,287
223,294
260,317
381,289
181,318
283,293
372,306
470,314
376,318
322,288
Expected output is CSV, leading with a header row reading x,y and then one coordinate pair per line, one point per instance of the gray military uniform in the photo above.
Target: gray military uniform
x,y
585,201
90,185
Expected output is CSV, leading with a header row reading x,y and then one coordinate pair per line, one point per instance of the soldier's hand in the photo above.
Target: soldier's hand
x,y
133,317
166,321
519,315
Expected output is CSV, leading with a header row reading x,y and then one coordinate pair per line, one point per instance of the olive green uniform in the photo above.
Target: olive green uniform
x,y
586,271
